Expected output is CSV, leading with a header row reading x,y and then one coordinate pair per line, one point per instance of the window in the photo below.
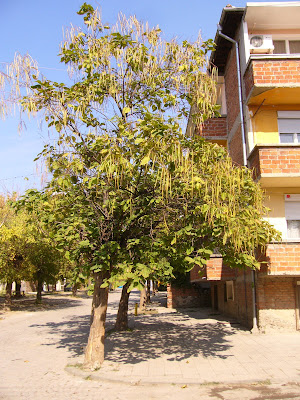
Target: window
x,y
289,126
292,215
286,46
229,290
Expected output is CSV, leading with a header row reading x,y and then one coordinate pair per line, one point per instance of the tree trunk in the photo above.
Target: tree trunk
x,y
94,353
8,295
74,289
122,317
154,287
18,290
143,299
39,289
148,300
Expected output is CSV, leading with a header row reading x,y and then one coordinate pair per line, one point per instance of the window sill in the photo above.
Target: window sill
x,y
286,241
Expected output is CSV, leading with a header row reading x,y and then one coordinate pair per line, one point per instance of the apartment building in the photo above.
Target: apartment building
x,y
258,60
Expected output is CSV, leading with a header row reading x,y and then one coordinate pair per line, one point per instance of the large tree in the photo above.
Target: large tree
x,y
129,192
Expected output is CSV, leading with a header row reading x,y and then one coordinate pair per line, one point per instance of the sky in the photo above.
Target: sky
x,y
36,27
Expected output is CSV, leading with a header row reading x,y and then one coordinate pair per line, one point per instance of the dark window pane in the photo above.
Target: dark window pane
x,y
279,47
294,46
293,228
286,138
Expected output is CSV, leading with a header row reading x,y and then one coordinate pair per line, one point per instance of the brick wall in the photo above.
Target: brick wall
x,y
282,259
240,308
248,80
235,147
216,127
276,303
231,91
276,160
186,297
215,271
272,73
197,273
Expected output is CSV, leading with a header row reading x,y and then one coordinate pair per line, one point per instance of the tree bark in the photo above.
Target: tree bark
x,y
39,288
94,353
143,299
122,317
74,289
8,295
18,290
148,300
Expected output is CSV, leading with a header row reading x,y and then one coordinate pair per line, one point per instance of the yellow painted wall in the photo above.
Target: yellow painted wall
x,y
263,112
275,202
264,125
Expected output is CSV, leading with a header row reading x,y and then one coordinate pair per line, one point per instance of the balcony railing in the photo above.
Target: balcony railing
x,y
276,164
272,71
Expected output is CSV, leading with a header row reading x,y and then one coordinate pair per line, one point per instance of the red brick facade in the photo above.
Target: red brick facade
x,y
231,91
187,296
235,147
277,306
214,127
275,160
214,271
282,259
272,73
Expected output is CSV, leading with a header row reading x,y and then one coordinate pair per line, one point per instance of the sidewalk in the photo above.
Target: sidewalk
x,y
194,347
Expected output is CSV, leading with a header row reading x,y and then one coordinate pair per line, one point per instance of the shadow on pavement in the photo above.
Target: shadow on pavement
x,y
173,335
49,302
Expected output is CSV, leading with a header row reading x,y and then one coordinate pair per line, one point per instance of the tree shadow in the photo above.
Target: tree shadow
x,y
49,302
170,335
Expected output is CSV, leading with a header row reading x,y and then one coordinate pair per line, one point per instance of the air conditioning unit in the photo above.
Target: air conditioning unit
x,y
261,44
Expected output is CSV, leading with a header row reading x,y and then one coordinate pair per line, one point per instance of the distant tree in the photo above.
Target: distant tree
x,y
14,243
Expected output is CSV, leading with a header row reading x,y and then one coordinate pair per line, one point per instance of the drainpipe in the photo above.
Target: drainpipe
x,y
238,66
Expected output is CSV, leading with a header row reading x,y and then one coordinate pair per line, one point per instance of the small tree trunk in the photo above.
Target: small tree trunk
x,y
39,288
154,287
8,295
18,289
94,353
74,289
122,317
143,299
148,300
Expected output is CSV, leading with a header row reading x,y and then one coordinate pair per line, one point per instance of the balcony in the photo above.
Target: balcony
x,y
282,259
276,165
268,71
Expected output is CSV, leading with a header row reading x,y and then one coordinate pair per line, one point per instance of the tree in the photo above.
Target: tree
x,y
130,193
46,260
14,242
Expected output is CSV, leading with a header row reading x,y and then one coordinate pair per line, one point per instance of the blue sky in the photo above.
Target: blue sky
x,y
36,27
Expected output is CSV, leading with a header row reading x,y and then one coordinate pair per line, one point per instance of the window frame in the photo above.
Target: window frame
x,y
290,214
289,116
